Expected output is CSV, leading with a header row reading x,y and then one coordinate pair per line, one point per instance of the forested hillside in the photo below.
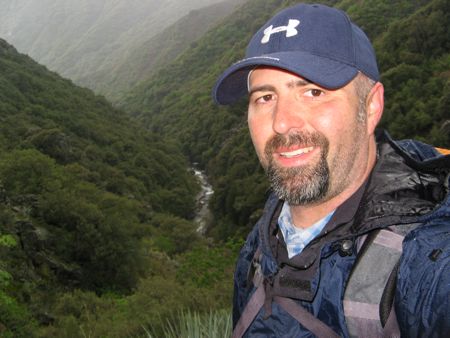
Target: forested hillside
x,y
412,46
87,40
95,215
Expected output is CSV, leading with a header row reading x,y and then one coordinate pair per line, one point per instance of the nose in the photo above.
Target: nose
x,y
287,116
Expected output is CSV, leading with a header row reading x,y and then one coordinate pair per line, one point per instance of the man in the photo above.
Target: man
x,y
354,240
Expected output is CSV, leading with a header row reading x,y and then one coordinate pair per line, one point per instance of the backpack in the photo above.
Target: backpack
x,y
368,299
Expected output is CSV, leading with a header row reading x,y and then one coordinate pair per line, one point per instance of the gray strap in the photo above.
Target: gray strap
x,y
391,329
251,310
361,310
368,296
316,326
390,240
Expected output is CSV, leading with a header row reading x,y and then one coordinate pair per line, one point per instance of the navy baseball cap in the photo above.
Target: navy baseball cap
x,y
316,42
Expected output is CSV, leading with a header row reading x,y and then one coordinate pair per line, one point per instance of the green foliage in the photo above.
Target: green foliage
x,y
5,277
206,266
15,320
234,167
8,241
42,111
173,235
91,230
415,56
27,172
77,313
155,304
196,325
80,185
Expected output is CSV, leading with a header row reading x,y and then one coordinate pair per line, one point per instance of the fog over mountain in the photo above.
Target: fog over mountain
x,y
81,39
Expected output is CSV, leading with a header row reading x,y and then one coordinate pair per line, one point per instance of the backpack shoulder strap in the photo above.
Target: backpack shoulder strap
x,y
368,298
314,325
251,310
258,300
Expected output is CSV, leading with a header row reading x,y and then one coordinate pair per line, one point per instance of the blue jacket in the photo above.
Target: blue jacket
x,y
408,186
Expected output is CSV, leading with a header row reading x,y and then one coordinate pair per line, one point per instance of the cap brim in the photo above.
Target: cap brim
x,y
325,72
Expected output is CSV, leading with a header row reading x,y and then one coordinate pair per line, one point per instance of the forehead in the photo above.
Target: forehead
x,y
270,70
273,76
265,73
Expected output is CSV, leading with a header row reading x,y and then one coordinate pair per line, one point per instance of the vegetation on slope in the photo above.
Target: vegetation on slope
x,y
95,215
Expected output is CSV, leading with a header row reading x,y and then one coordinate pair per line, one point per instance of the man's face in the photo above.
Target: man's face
x,y
309,140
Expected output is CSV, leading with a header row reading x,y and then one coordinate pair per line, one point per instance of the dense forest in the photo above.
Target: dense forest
x,y
95,215
97,201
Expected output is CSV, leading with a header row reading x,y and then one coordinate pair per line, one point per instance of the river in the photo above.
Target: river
x,y
203,216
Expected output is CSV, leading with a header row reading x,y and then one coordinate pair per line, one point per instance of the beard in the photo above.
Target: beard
x,y
300,185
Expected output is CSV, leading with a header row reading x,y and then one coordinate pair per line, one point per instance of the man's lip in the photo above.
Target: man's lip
x,y
294,151
295,156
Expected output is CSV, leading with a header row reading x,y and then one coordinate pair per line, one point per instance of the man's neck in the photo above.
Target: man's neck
x,y
303,216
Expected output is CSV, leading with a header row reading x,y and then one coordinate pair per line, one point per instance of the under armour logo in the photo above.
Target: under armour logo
x,y
290,30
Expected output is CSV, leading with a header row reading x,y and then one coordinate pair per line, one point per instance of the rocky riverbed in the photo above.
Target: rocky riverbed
x,y
203,215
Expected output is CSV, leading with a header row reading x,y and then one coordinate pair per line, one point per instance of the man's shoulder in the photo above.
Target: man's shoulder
x,y
421,151
435,229
427,247
423,281
415,149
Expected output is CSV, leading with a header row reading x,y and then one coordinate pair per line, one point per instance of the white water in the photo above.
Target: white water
x,y
202,213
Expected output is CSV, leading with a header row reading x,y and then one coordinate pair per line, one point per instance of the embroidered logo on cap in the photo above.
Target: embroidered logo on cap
x,y
290,30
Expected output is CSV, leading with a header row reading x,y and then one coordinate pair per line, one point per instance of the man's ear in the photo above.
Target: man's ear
x,y
374,107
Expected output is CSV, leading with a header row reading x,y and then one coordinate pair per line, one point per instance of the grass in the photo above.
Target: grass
x,y
189,324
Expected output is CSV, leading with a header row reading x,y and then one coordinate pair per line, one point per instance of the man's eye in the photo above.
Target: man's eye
x,y
315,92
264,98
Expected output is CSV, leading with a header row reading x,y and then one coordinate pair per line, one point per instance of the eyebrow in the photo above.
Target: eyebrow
x,y
298,83
270,88
262,88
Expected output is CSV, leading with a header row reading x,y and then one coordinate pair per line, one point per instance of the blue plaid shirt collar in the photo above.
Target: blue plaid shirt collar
x,y
297,239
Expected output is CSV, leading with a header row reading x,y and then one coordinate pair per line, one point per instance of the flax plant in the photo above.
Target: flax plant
x,y
189,324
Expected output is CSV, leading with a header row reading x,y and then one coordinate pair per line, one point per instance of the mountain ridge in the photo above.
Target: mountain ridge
x,y
162,48
97,37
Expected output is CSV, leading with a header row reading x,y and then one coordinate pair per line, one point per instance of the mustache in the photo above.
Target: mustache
x,y
302,139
